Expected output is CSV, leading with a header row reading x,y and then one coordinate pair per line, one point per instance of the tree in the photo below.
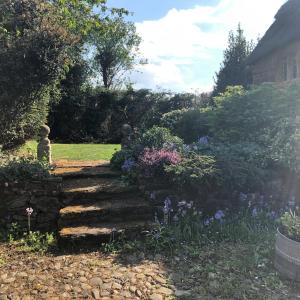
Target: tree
x,y
116,50
234,70
39,41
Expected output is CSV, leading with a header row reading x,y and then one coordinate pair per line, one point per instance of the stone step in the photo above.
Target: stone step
x,y
102,232
105,210
94,187
85,172
63,163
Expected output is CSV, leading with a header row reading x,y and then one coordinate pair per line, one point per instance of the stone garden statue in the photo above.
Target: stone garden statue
x,y
44,145
127,133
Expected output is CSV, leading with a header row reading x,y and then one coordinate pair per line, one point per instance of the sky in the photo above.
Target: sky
x,y
184,40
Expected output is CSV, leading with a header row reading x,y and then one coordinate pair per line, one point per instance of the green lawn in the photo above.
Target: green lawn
x,y
76,151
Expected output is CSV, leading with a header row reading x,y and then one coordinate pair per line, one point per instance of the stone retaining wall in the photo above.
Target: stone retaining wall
x,y
43,196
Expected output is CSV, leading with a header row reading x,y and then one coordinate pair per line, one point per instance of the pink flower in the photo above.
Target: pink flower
x,y
153,157
29,211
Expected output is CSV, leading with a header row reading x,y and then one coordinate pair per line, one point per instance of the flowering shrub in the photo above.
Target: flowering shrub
x,y
118,160
152,161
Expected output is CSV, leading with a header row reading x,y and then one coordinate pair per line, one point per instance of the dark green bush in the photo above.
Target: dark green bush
x,y
243,166
119,158
159,137
196,171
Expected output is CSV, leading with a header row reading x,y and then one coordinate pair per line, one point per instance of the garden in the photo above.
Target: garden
x,y
138,194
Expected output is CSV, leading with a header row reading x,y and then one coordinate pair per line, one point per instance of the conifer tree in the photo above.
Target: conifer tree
x,y
234,69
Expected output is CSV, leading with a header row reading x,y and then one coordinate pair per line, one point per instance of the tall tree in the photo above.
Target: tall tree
x,y
39,41
233,69
116,46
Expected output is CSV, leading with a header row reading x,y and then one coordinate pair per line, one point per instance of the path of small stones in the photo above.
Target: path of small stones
x,y
82,276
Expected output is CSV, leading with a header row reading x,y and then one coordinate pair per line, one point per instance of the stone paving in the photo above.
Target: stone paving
x,y
93,275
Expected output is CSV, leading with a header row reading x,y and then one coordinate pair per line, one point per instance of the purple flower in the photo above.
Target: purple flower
x,y
242,197
261,199
168,206
254,212
272,215
219,215
153,196
292,201
203,140
206,222
128,165
154,157
29,211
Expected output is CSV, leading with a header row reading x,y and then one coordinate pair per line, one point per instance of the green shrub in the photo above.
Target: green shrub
x,y
22,169
188,124
120,157
243,166
290,226
171,119
158,138
195,171
266,115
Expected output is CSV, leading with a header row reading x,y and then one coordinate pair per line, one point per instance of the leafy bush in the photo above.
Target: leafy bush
x,y
120,157
242,166
188,124
265,115
290,225
158,138
195,171
22,169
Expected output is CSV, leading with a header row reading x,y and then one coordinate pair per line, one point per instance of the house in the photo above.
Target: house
x,y
277,56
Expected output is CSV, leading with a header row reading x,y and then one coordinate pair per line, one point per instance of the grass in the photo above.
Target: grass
x,y
75,151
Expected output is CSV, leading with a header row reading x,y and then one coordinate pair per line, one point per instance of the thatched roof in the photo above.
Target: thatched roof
x,y
284,30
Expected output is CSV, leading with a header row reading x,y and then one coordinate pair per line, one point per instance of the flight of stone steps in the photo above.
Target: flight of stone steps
x,y
98,205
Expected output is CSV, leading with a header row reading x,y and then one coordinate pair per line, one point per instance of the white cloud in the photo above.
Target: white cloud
x,y
184,48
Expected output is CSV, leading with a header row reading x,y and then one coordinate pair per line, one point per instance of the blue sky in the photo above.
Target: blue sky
x,y
184,40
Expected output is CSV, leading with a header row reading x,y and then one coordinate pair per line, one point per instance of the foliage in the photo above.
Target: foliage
x,y
37,46
234,67
168,102
22,169
193,227
119,158
38,242
265,115
88,114
242,166
116,46
188,124
65,116
198,171
290,225
28,241
158,138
